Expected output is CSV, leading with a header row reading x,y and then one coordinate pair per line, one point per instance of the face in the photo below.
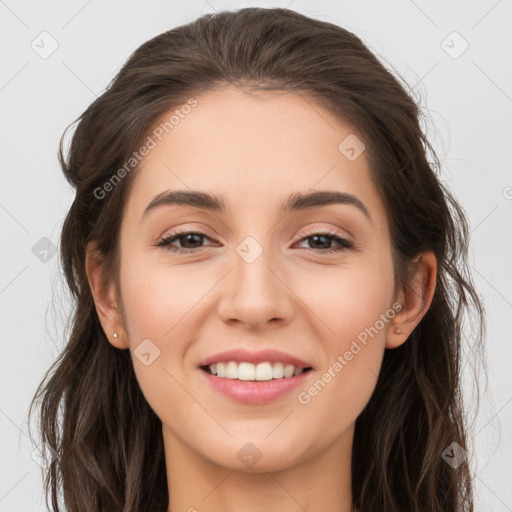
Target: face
x,y
310,285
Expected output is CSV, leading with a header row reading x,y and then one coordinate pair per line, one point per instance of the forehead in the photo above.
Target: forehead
x,y
253,150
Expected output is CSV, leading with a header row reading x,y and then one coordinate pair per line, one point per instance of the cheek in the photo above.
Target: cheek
x,y
159,303
344,384
351,300
355,305
158,298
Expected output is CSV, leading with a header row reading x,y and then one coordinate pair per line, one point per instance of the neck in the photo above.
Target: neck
x,y
319,483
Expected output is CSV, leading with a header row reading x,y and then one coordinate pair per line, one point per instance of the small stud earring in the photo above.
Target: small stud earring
x,y
115,335
397,330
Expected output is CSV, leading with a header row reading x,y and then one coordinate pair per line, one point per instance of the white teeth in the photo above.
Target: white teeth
x,y
232,370
221,370
264,371
278,370
244,371
259,372
288,370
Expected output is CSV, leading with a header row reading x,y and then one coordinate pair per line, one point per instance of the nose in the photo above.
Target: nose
x,y
256,295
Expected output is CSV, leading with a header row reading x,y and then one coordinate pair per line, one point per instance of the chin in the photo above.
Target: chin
x,y
255,456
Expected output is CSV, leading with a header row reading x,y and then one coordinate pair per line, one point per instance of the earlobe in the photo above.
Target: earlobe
x,y
415,299
104,298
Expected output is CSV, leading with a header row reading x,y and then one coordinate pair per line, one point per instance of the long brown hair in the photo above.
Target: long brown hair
x,y
92,411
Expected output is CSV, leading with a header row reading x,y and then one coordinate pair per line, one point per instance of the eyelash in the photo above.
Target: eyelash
x,y
332,235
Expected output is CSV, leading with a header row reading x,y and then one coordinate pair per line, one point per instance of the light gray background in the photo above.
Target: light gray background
x,y
468,100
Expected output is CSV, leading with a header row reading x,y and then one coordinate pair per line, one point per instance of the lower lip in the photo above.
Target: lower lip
x,y
255,392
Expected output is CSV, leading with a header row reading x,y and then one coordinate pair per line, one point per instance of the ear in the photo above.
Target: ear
x,y
415,300
108,306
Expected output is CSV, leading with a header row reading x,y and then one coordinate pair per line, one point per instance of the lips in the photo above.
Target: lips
x,y
243,355
256,392
258,388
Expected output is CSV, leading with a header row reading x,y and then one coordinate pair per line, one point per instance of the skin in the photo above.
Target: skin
x,y
255,150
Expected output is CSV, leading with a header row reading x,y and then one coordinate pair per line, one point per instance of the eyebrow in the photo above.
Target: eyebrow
x,y
296,202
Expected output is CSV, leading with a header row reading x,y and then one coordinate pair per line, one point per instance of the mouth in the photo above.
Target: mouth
x,y
255,384
255,377
246,371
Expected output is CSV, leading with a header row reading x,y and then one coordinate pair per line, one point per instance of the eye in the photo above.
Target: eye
x,y
327,237
186,238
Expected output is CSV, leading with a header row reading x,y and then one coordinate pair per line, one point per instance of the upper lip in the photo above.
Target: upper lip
x,y
261,356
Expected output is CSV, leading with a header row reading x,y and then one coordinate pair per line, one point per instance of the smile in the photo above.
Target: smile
x,y
246,371
253,391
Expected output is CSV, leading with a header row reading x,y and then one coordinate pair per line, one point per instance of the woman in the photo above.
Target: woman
x,y
258,222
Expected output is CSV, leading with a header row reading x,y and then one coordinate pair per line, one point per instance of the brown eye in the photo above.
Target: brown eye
x,y
186,240
321,242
